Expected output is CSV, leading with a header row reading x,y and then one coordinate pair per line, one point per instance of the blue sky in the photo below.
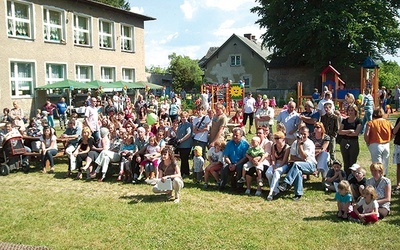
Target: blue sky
x,y
191,27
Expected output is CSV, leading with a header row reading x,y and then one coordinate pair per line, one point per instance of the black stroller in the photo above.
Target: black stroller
x,y
13,151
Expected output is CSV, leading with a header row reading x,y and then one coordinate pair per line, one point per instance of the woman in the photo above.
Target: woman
x,y
49,148
368,105
142,116
17,115
168,169
279,163
349,130
85,144
321,141
378,134
174,110
185,141
110,109
383,189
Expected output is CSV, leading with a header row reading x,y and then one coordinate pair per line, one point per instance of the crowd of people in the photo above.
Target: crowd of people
x,y
145,137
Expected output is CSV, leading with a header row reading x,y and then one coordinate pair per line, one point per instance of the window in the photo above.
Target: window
x,y
22,79
128,75
235,60
82,30
55,72
106,35
53,25
19,19
83,73
127,38
107,74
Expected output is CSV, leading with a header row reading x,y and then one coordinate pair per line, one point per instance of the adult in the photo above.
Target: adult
x,y
315,96
49,148
321,141
174,110
248,110
396,152
183,94
201,126
397,96
378,134
259,102
279,163
62,112
331,124
185,143
309,116
204,100
141,142
302,154
80,153
289,118
349,131
235,157
368,105
112,154
265,115
383,189
103,144
140,102
218,125
92,118
17,116
327,99
110,110
383,98
49,108
73,134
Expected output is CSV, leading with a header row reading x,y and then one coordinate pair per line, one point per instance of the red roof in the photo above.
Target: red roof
x,y
330,68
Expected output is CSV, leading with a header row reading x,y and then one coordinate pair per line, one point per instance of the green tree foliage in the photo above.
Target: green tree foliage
x,y
185,71
122,4
314,32
389,74
156,69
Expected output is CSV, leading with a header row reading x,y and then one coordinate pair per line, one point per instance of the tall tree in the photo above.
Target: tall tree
x,y
389,74
122,4
315,32
186,72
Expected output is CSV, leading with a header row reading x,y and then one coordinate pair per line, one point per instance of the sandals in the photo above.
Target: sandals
x,y
79,176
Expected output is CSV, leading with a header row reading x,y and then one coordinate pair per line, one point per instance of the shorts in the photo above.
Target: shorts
x,y
396,154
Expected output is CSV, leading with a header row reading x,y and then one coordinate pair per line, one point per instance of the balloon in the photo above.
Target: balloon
x,y
360,96
265,97
152,119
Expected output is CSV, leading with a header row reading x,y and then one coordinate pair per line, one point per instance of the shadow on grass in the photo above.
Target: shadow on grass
x,y
140,198
326,216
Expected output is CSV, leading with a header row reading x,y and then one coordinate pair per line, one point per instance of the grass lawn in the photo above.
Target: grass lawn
x,y
48,210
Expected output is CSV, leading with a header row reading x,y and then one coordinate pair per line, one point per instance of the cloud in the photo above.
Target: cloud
x,y
188,8
157,55
138,10
227,28
168,38
227,5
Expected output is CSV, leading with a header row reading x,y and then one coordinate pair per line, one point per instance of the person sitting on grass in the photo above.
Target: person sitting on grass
x,y
198,164
369,206
344,198
383,188
358,181
216,159
168,169
334,176
302,154
254,165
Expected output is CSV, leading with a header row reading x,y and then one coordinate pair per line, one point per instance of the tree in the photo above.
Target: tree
x,y
186,72
122,4
389,74
314,32
156,69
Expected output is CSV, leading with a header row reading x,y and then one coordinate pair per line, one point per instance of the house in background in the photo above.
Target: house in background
x,y
239,58
45,41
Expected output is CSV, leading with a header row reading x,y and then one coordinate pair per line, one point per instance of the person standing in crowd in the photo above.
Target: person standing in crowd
x,y
49,108
378,134
310,116
315,96
92,118
349,131
368,105
327,99
331,124
397,97
383,98
185,142
183,94
201,126
62,112
265,115
259,103
396,153
289,118
218,125
174,110
248,110
204,100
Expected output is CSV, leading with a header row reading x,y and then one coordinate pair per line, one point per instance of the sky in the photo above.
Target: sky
x,y
191,27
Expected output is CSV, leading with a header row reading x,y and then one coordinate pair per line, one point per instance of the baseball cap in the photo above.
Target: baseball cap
x,y
355,166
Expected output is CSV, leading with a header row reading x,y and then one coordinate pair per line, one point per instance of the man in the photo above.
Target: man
x,y
92,118
141,143
265,115
61,112
302,154
183,94
327,98
201,126
204,100
248,110
73,134
218,125
397,96
235,157
289,118
310,116
331,124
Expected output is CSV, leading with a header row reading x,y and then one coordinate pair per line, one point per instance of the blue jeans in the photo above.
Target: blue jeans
x,y
225,171
50,120
295,175
367,118
49,156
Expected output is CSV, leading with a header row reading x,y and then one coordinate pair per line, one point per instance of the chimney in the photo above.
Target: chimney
x,y
248,36
253,38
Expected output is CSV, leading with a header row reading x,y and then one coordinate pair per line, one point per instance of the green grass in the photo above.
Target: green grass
x,y
43,209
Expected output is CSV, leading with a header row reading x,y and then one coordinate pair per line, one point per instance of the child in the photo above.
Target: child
x,y
150,164
198,164
49,148
254,154
369,206
272,102
358,181
128,149
216,159
238,118
334,176
344,198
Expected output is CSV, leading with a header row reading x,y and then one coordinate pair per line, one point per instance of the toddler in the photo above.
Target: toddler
x,y
344,198
198,164
358,181
216,159
334,176
254,155
150,164
369,206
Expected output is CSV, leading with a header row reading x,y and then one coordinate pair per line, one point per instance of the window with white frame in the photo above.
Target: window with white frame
x,y
235,60
107,74
127,37
22,78
19,19
82,30
106,34
128,75
55,72
84,73
53,25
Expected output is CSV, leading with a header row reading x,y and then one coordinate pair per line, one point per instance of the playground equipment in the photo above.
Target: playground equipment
x,y
370,78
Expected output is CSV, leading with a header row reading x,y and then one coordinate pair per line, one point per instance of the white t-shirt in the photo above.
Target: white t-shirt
x,y
261,112
203,136
92,118
47,142
321,106
249,105
368,208
309,149
215,157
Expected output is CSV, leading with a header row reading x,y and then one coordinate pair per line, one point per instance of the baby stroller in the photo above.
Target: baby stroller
x,y
13,151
